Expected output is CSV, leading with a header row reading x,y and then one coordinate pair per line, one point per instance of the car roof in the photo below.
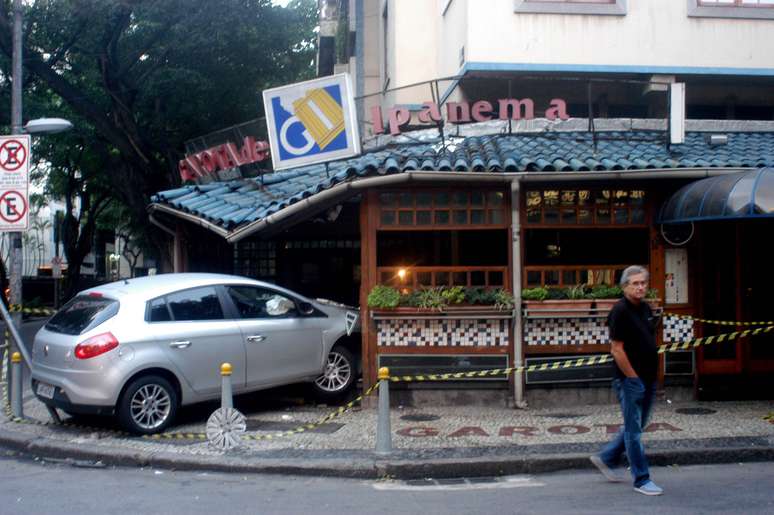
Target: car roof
x,y
155,285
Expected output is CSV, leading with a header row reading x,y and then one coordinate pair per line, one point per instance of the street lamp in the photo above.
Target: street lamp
x,y
47,126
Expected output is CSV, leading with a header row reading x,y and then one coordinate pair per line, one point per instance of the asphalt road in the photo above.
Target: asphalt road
x,y
41,487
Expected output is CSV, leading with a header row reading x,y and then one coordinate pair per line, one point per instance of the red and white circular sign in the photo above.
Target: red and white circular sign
x,y
13,206
13,155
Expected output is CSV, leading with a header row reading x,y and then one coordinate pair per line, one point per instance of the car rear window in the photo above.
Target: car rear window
x,y
82,313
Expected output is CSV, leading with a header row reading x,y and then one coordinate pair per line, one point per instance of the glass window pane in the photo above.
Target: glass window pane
x,y
386,277
636,197
460,217
621,216
551,216
388,199
584,216
638,216
406,200
424,279
477,278
424,217
424,199
569,216
552,277
568,197
495,198
534,278
620,198
442,217
601,197
459,278
442,278
195,304
584,197
476,198
568,278
441,199
460,199
551,197
254,302
477,216
405,218
533,215
496,216
388,217
603,215
496,279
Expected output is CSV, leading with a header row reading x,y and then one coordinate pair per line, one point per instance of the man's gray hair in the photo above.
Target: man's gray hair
x,y
633,270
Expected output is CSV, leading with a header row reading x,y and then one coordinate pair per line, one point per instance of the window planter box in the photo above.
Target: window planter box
x,y
565,308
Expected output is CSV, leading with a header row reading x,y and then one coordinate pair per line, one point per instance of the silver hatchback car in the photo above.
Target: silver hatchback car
x,y
140,348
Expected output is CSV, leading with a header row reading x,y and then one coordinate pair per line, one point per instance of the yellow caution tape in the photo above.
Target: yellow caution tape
x,y
715,322
16,308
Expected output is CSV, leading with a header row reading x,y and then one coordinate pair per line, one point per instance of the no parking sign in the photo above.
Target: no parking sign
x,y
14,182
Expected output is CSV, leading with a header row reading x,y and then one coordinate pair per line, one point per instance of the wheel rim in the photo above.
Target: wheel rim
x,y
337,373
150,406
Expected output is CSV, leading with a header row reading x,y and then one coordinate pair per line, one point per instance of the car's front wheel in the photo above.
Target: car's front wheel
x,y
338,376
148,405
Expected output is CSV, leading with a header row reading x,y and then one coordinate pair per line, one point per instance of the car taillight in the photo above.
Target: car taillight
x,y
95,346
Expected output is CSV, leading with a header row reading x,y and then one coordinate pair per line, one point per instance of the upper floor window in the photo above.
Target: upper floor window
x,y
611,7
731,8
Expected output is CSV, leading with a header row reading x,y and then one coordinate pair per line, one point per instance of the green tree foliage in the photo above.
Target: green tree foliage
x,y
140,77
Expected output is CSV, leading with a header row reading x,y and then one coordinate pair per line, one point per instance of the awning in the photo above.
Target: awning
x,y
740,195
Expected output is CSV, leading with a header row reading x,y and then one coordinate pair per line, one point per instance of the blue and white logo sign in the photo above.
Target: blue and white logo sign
x,y
311,122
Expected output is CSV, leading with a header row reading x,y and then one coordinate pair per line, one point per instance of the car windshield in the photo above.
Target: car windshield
x,y
82,313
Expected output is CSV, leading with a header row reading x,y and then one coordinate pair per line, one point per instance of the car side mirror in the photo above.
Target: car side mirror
x,y
305,308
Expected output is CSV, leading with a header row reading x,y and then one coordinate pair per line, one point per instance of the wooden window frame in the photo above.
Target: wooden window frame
x,y
592,206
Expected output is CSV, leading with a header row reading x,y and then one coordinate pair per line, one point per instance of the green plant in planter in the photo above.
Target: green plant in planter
x,y
410,300
539,293
577,292
503,299
652,294
478,295
556,294
453,295
382,297
431,298
604,291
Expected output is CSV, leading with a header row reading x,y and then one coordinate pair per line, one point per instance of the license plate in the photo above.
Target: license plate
x,y
46,390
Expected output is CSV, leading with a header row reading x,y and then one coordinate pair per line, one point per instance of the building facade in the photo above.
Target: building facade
x,y
526,146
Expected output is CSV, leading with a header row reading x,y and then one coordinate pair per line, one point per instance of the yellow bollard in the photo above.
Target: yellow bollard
x,y
17,406
383,431
226,398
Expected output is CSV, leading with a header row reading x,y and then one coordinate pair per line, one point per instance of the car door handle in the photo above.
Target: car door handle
x,y
180,344
255,338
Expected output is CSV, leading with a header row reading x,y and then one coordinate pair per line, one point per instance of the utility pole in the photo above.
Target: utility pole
x,y
16,265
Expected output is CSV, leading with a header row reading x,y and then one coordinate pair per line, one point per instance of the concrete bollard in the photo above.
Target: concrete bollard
x,y
226,398
17,406
383,432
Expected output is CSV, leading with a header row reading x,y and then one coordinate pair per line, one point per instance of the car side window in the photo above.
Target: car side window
x,y
195,304
158,311
254,302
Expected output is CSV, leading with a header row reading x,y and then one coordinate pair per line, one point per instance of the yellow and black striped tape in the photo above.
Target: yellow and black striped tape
x,y
716,322
16,308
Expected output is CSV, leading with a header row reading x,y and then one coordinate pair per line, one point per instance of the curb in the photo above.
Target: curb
x,y
375,467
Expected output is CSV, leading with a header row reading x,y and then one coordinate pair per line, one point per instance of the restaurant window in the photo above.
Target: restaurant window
x,y
608,7
585,207
256,259
731,8
443,237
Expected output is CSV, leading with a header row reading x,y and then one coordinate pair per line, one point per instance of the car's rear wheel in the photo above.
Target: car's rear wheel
x,y
148,405
338,376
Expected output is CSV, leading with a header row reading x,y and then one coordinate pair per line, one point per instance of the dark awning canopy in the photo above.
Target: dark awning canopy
x,y
738,195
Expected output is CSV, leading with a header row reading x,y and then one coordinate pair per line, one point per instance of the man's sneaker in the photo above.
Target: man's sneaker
x,y
612,475
649,488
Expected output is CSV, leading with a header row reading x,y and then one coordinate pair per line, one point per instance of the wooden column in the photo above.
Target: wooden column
x,y
368,279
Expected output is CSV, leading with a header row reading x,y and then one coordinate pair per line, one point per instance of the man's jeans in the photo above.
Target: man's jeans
x,y
636,403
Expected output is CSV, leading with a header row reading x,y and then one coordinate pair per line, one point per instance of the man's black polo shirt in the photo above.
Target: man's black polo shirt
x,y
634,325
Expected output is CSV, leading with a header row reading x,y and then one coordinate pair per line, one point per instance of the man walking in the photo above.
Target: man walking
x,y
633,346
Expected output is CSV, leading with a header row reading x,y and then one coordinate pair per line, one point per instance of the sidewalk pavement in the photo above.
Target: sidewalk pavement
x,y
429,441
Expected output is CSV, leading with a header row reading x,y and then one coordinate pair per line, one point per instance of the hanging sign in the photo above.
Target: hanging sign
x,y
14,182
311,122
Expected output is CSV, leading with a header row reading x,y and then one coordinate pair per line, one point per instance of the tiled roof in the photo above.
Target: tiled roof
x,y
232,204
